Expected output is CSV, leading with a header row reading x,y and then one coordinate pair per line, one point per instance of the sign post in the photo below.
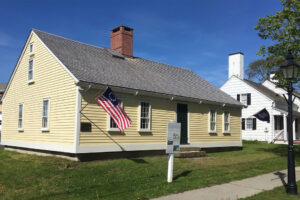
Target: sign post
x,y
173,146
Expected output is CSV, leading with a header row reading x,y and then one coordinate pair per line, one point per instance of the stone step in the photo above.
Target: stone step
x,y
190,154
186,149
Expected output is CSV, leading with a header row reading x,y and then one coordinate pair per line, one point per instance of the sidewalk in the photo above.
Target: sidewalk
x,y
236,189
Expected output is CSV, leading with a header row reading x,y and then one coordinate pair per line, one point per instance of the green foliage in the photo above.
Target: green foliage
x,y
257,70
283,29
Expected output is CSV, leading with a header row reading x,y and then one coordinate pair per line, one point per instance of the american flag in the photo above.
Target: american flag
x,y
109,102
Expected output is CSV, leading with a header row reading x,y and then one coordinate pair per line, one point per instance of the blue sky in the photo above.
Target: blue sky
x,y
193,34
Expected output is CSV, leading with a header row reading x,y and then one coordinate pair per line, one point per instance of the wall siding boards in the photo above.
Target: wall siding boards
x,y
162,112
50,81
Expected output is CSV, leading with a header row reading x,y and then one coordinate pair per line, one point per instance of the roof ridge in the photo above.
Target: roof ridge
x,y
175,66
109,49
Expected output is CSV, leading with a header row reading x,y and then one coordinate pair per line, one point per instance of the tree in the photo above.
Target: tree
x,y
257,70
283,29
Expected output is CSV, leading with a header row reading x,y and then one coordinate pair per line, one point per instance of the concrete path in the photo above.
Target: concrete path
x,y
236,189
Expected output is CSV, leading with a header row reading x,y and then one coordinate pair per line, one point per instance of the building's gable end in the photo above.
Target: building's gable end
x,y
50,81
230,85
17,64
69,72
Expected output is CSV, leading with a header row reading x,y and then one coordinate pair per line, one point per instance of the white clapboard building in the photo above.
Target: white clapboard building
x,y
256,97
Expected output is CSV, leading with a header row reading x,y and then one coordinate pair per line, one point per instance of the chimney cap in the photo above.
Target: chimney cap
x,y
127,28
236,53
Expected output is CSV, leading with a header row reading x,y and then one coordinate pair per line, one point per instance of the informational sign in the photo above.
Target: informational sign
x,y
173,137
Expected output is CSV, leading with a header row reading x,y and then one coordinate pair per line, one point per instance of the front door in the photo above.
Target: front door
x,y
182,117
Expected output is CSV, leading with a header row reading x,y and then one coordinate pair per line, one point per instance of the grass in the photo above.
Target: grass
x,y
277,193
25,176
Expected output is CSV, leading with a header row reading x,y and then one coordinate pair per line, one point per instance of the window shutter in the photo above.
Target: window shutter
x,y
238,97
254,124
249,99
243,123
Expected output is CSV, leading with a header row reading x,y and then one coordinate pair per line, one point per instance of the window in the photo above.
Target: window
x,y
226,122
30,71
213,121
45,115
244,98
20,117
249,124
278,119
145,116
112,126
31,48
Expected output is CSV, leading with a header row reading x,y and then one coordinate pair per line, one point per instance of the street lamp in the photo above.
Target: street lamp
x,y
290,73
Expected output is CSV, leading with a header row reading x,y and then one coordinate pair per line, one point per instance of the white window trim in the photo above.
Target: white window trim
x,y
31,52
224,131
20,129
246,127
209,128
109,119
32,80
150,117
46,129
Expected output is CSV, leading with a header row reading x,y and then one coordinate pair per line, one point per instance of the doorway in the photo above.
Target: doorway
x,y
182,117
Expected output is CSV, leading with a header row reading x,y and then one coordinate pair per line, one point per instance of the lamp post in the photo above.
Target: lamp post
x,y
290,72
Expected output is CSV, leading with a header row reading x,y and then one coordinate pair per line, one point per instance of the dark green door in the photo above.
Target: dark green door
x,y
182,117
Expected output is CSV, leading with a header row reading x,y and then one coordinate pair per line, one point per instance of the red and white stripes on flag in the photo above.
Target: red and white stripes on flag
x,y
110,104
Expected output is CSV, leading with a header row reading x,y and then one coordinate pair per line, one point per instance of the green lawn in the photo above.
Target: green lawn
x,y
25,176
277,193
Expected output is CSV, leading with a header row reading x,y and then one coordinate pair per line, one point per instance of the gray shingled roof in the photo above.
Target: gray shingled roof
x,y
2,87
266,91
105,66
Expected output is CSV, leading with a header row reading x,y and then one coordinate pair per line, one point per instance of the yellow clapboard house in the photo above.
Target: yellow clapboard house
x,y
49,104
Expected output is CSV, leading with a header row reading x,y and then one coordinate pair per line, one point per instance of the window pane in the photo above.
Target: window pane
x,y
226,117
45,113
249,123
30,65
20,111
226,127
44,122
20,123
212,126
244,98
45,108
30,75
145,116
112,123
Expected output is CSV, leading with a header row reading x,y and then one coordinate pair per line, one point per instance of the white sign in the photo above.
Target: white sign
x,y
173,137
173,146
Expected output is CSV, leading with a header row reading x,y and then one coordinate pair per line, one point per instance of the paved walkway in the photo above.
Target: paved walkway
x,y
236,189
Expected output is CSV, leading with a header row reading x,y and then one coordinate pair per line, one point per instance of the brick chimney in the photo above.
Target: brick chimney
x,y
121,39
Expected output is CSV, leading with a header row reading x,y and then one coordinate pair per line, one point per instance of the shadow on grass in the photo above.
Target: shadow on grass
x,y
138,160
282,150
185,173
